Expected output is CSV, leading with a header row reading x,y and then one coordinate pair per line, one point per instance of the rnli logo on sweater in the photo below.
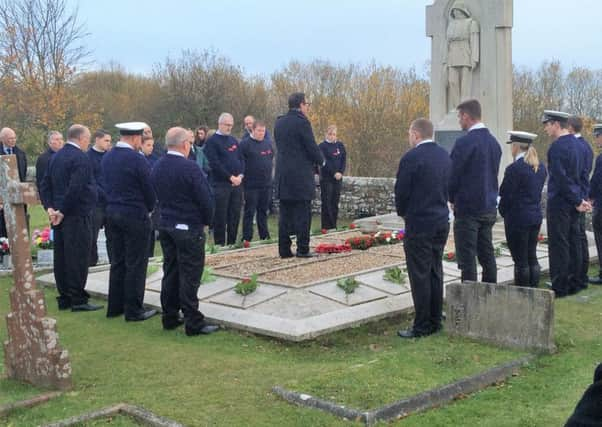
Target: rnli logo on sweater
x,y
266,152
232,148
337,153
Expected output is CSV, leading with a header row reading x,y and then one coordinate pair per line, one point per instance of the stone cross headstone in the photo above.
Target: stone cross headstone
x,y
471,57
506,315
32,352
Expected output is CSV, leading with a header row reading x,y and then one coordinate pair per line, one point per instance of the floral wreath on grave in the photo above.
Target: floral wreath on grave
x,y
542,239
388,237
332,248
449,256
395,275
247,286
348,284
360,242
4,246
43,239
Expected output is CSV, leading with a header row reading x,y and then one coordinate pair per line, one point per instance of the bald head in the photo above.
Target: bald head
x,y
179,139
80,135
8,137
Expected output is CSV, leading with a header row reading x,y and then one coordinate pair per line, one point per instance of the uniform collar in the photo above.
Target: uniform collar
x,y
426,141
476,126
520,155
175,153
122,144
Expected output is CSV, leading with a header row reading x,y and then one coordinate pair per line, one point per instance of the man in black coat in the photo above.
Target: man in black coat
x,y
68,193
8,145
55,143
421,199
296,157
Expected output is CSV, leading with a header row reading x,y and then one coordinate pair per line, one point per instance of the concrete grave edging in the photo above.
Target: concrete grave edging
x,y
138,413
418,403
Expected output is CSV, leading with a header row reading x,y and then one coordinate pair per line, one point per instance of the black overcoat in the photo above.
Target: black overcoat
x,y
297,155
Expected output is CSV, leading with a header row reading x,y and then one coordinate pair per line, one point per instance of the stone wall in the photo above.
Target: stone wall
x,y
363,196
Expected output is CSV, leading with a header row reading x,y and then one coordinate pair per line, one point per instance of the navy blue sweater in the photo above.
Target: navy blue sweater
x,y
564,162
595,188
336,159
225,158
520,195
126,181
259,159
421,188
95,158
587,158
69,185
183,192
473,186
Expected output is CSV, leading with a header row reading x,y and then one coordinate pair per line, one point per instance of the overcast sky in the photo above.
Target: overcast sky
x,y
263,35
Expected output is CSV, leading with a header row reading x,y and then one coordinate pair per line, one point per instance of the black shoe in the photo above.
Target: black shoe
x,y
171,324
306,255
145,315
595,280
86,307
204,330
409,333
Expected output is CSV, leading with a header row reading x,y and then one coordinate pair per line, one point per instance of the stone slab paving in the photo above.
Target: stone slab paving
x,y
361,295
298,310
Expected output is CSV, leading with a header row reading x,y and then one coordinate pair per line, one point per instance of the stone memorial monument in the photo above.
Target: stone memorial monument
x,y
471,57
32,352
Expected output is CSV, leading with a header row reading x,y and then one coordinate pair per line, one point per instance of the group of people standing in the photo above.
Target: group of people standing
x,y
201,180
431,186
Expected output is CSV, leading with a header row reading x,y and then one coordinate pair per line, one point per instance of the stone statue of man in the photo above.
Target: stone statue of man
x,y
462,53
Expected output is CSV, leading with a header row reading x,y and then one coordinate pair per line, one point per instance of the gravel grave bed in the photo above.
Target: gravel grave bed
x,y
229,258
395,250
329,269
260,265
340,236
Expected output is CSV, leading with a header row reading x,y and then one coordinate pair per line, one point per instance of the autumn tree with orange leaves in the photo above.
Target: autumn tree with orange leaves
x,y
41,48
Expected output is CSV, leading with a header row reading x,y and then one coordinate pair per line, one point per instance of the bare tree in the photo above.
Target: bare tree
x,y
41,48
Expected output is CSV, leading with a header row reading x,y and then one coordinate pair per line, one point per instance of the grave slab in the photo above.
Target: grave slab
x,y
511,316
375,280
263,293
362,294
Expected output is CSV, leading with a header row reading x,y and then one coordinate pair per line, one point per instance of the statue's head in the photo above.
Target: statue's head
x,y
459,10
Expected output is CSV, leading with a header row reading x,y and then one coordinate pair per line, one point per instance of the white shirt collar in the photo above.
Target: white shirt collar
x,y
175,153
74,144
122,144
424,142
97,150
577,135
520,155
219,133
479,125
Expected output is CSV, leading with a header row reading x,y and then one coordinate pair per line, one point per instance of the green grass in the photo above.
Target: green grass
x,y
225,379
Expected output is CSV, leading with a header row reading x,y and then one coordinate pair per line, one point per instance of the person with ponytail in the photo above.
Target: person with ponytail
x,y
520,205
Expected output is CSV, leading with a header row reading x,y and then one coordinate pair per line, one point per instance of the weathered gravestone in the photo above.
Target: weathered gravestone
x,y
506,315
471,57
32,352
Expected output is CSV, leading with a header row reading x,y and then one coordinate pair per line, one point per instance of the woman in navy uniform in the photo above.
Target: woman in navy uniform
x,y
520,205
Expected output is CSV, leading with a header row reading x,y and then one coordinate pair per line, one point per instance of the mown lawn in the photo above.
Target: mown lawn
x,y
225,379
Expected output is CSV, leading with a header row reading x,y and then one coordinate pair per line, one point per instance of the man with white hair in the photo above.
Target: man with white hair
x,y
68,193
55,143
130,198
8,145
227,169
186,207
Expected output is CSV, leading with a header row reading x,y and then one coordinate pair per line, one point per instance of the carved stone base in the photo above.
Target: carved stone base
x,y
32,352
